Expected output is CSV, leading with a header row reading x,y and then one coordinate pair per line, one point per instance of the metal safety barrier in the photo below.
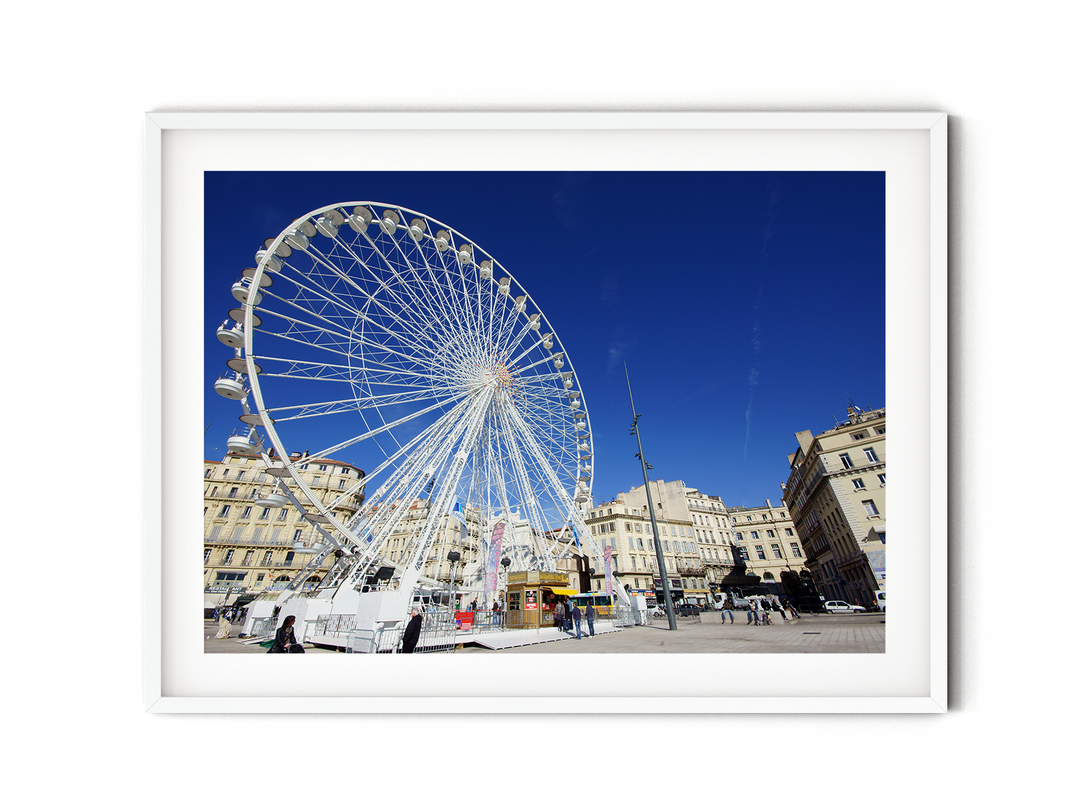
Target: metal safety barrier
x,y
438,633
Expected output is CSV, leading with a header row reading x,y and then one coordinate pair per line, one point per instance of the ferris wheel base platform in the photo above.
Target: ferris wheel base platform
x,y
523,638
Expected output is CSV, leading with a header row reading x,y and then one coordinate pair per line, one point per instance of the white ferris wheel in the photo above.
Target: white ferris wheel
x,y
370,328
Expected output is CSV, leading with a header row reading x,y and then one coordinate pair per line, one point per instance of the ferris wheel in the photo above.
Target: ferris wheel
x,y
375,331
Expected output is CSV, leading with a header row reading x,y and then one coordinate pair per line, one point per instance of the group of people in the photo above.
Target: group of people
x,y
757,611
568,618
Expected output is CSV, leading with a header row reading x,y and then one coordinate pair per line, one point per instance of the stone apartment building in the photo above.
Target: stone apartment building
x,y
702,553
836,496
254,540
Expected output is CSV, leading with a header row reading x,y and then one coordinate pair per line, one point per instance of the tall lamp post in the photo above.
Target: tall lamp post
x,y
668,606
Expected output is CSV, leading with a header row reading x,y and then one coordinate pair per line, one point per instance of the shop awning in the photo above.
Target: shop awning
x,y
563,591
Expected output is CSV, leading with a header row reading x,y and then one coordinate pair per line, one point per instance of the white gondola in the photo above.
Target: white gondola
x,y
273,263
230,386
274,500
465,254
240,443
485,268
231,336
241,291
389,222
360,218
238,316
442,242
329,223
265,281
239,364
417,228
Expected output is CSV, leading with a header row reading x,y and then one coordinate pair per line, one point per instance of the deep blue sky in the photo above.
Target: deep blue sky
x,y
746,305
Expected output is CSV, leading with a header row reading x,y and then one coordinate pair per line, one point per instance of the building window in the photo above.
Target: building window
x,y
206,555
240,476
881,479
265,514
208,473
870,454
248,556
296,535
776,551
789,532
285,513
859,483
754,535
871,510
795,550
225,511
771,533
845,459
266,557
881,431
227,559
760,552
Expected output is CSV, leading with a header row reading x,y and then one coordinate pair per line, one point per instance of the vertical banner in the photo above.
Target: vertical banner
x,y
457,513
491,575
607,570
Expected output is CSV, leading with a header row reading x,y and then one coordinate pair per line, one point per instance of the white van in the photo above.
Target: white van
x,y
880,596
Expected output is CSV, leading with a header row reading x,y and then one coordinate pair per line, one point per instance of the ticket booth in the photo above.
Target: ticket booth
x,y
531,597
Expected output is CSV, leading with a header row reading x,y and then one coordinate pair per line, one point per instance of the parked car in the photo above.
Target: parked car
x,y
880,596
843,607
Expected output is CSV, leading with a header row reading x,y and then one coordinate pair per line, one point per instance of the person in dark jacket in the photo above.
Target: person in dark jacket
x,y
412,632
285,640
576,614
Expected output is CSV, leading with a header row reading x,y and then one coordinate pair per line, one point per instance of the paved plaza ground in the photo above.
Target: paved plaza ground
x,y
809,634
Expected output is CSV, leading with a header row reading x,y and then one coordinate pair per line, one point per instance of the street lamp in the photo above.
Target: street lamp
x,y
453,557
652,512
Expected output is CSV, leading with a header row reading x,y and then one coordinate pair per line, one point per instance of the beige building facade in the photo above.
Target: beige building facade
x,y
702,554
766,539
255,541
836,496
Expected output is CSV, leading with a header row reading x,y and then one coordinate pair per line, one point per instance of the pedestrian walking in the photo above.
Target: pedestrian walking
x,y
576,613
224,626
496,612
725,610
560,614
412,632
590,616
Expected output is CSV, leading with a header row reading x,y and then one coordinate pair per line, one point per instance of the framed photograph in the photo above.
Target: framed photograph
x,y
907,152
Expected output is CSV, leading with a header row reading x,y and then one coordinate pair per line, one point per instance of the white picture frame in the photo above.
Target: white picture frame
x,y
911,677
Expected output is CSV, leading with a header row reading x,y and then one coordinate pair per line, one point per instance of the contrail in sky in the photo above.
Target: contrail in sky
x,y
755,339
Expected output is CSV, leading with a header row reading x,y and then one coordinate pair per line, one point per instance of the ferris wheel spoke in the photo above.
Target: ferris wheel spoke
x,y
371,299
418,303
